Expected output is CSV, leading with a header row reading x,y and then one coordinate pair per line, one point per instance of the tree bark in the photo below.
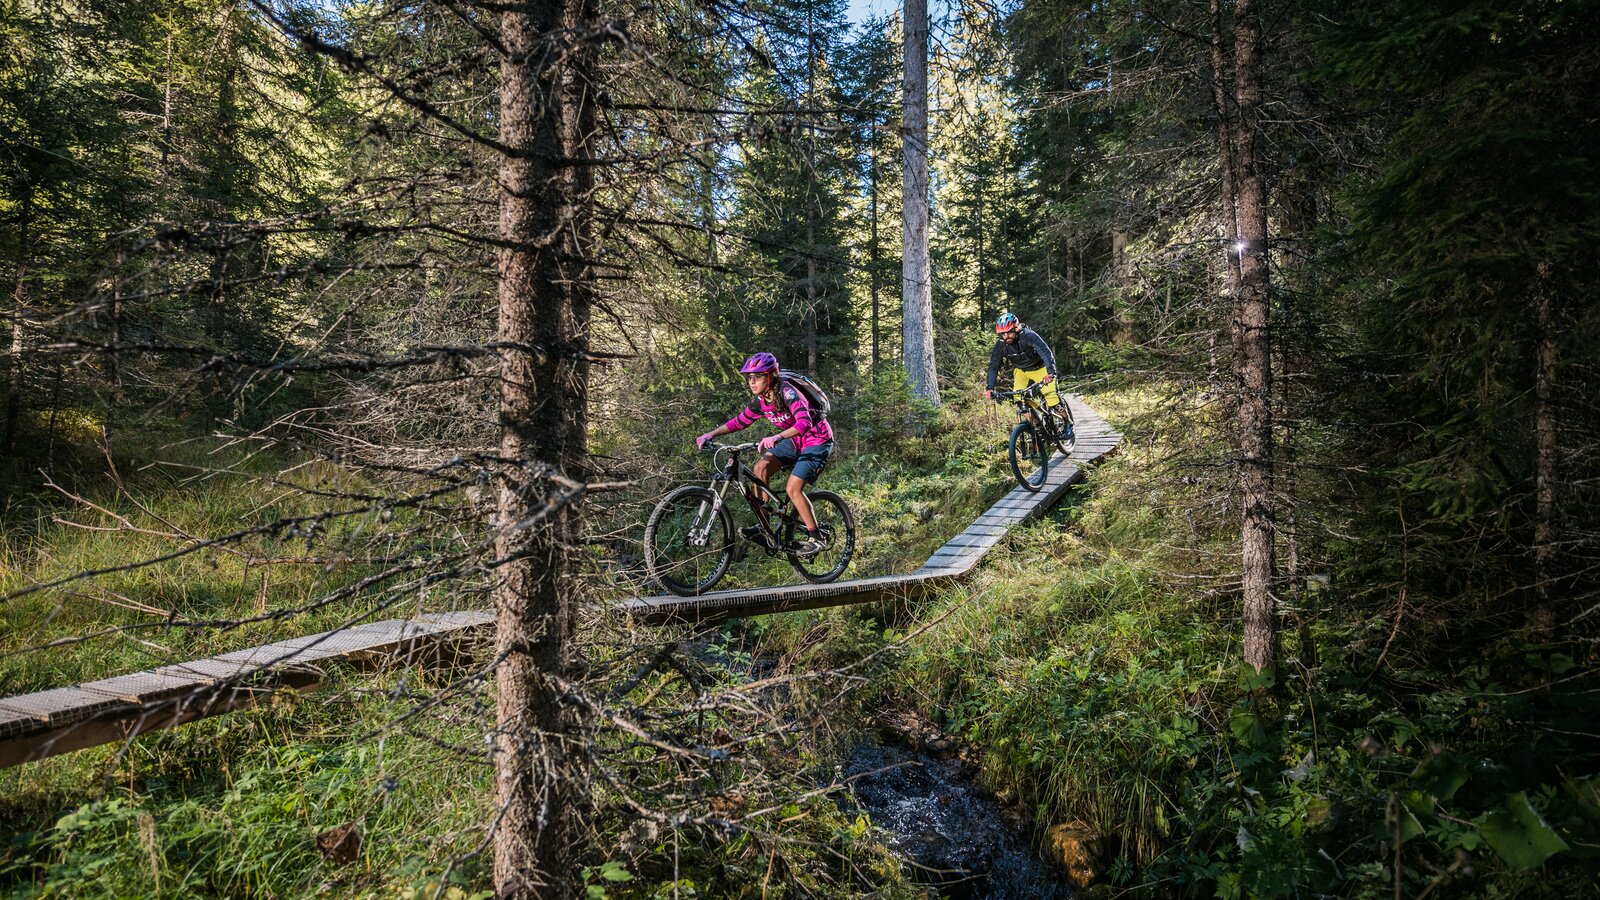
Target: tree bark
x,y
1255,362
811,297
813,213
1230,215
545,285
872,271
1297,202
916,267
983,285
1123,336
1544,428
19,304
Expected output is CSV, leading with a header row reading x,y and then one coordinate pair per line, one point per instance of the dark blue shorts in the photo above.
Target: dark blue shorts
x,y
806,466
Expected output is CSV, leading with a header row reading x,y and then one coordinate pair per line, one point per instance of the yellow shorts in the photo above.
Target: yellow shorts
x,y
1021,379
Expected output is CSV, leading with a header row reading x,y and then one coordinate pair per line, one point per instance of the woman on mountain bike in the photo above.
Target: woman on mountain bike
x,y
803,444
1029,356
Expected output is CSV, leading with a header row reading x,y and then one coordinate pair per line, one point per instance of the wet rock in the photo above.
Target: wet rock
x,y
1076,848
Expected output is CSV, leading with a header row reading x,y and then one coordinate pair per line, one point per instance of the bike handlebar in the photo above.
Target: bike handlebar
x,y
714,447
1036,388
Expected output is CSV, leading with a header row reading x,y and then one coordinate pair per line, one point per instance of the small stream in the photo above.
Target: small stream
x,y
955,836
952,834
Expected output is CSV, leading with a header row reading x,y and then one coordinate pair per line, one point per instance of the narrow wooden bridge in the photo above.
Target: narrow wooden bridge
x,y
60,720
956,559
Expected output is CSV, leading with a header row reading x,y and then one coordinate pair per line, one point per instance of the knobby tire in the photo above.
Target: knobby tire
x,y
838,523
1030,458
1066,429
676,565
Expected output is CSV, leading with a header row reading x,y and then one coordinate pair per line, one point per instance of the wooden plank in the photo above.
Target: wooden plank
x,y
36,726
211,669
59,705
980,528
12,722
145,687
127,722
976,540
463,618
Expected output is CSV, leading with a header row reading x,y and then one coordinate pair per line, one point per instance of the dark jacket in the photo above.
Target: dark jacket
x,y
1027,353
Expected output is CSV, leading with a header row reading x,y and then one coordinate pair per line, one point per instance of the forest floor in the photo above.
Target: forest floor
x,y
1091,664
234,804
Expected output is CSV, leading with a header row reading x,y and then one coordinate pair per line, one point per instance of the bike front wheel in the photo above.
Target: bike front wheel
x,y
836,525
688,541
1030,457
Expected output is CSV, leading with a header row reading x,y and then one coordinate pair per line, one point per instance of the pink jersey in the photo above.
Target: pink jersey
x,y
814,432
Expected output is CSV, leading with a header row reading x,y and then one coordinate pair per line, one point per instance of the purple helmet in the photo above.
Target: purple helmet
x,y
761,362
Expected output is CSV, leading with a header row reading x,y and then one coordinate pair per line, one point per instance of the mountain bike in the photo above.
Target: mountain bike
x,y
1033,440
689,539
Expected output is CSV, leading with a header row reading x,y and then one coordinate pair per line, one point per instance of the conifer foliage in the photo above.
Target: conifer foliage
x,y
444,290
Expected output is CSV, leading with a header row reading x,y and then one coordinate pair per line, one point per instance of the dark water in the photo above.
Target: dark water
x,y
956,837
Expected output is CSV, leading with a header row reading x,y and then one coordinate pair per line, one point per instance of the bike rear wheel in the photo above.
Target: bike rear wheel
x,y
1030,457
837,526
688,541
1066,434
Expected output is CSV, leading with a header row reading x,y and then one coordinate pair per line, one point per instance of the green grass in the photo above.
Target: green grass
x,y
267,581
1095,660
231,806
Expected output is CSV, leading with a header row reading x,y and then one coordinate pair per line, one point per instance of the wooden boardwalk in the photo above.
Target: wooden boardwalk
x,y
1096,440
60,720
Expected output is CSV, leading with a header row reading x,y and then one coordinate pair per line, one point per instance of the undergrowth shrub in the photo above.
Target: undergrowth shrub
x,y
1096,661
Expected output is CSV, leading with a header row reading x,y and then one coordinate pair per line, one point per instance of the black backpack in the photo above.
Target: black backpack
x,y
814,394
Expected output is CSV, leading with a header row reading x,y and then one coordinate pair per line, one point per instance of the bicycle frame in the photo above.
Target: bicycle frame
x,y
735,472
1028,401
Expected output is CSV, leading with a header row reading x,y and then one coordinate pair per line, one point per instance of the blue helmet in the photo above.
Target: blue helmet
x,y
1005,323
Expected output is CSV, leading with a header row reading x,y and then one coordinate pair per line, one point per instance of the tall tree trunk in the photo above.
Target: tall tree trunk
x,y
19,305
812,201
811,292
872,271
1297,200
1544,429
1008,277
916,273
225,179
1230,215
546,118
1123,335
113,360
983,285
709,277
1255,362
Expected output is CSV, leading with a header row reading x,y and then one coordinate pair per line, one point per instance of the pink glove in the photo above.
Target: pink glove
x,y
768,442
1049,378
988,395
704,439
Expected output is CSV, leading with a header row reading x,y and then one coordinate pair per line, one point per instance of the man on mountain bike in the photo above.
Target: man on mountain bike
x,y
803,444
1029,356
